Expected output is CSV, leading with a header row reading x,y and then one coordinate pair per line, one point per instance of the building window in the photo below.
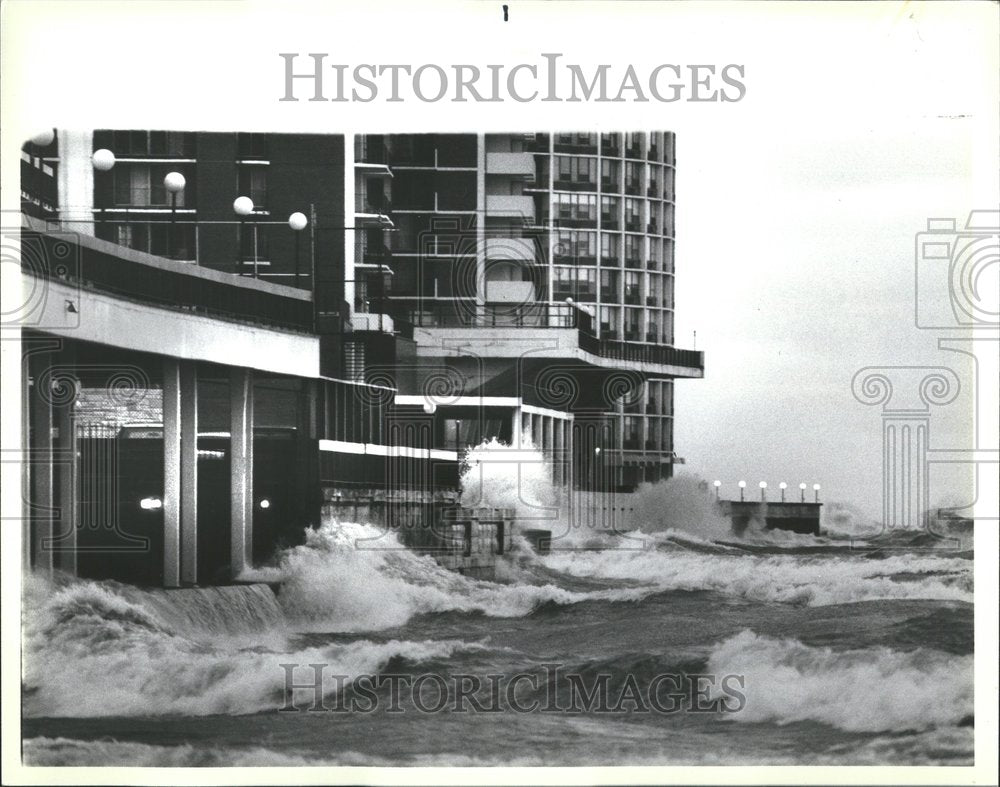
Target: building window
x,y
633,215
610,174
609,286
575,171
175,144
253,184
577,208
633,432
609,322
632,287
632,323
610,209
251,146
572,246
633,251
610,144
611,248
141,186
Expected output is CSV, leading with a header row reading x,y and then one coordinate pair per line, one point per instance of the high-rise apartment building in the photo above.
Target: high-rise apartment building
x,y
507,284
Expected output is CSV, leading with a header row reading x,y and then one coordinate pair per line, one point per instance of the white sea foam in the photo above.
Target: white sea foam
x,y
870,690
795,579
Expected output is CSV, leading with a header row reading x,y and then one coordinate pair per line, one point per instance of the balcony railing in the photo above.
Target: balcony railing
x,y
526,315
642,353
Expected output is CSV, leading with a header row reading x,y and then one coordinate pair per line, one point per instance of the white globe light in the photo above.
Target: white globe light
x,y
782,485
569,301
763,484
718,483
597,450
44,138
265,503
742,485
103,159
243,206
297,221
802,486
816,487
174,182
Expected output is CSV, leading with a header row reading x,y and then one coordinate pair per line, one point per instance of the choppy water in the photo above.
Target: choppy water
x,y
846,655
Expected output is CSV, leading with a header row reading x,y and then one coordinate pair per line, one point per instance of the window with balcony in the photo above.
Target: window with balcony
x,y
653,226
611,144
654,255
610,175
610,211
609,286
632,289
652,336
633,178
576,172
633,215
633,321
611,249
654,290
653,434
668,256
576,283
634,144
668,184
610,317
576,208
633,251
575,247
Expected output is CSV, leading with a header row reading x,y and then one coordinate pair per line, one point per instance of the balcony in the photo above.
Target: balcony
x,y
521,164
510,292
510,249
510,206
373,211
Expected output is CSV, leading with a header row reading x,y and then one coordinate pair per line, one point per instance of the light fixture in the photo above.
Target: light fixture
x,y
265,503
742,485
151,504
782,486
816,491
802,492
763,491
174,183
297,222
717,484
44,138
103,160
597,450
243,206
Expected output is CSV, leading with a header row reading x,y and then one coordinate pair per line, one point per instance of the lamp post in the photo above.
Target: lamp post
x,y
297,221
103,160
782,486
816,491
174,183
243,207
763,491
717,484
802,491
742,485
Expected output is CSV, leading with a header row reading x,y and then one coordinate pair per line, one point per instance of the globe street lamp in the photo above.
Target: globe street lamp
x,y
742,485
763,491
802,490
174,183
717,484
297,221
243,207
103,160
816,490
782,486
44,138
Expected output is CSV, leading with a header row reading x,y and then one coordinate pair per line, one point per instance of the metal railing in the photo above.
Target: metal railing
x,y
641,353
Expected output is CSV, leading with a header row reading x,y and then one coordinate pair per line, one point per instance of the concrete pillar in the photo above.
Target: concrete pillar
x,y
241,470
515,429
559,454
76,181
42,476
189,472
66,449
171,474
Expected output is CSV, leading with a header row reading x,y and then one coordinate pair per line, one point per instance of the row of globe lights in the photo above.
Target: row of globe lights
x,y
174,182
763,490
